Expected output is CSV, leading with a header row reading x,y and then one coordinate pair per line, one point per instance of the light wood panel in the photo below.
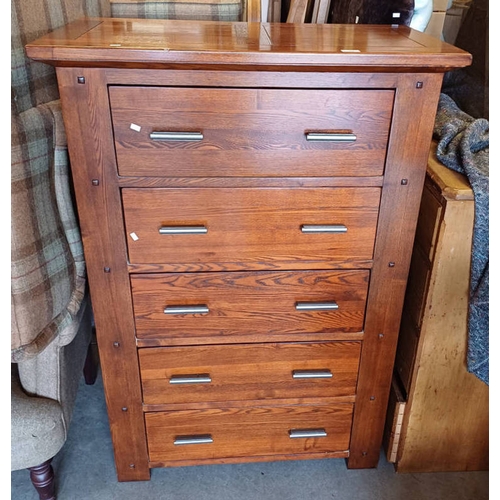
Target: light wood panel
x,y
446,418
298,11
321,11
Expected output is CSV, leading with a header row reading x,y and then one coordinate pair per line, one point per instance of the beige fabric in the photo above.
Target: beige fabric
x,y
37,429
55,373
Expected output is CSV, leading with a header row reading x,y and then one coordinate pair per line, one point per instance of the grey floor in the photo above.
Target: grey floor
x,y
85,471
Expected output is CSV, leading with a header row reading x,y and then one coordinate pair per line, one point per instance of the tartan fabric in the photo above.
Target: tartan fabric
x,y
34,83
217,10
47,264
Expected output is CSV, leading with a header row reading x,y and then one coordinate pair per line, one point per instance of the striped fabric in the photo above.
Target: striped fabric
x,y
34,83
47,264
211,10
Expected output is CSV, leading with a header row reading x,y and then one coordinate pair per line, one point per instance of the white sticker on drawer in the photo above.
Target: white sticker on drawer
x,y
134,236
135,127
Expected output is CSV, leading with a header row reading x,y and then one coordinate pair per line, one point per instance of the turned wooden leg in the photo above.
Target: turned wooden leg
x,y
43,479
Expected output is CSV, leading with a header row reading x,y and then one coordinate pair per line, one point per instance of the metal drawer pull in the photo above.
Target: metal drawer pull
x,y
324,136
312,374
316,306
201,309
183,230
307,433
323,228
198,439
202,378
176,136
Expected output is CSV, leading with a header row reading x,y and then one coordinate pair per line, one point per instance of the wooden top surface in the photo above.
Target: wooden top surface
x,y
452,185
161,43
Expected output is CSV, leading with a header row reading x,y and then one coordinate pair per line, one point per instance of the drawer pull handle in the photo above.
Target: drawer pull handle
x,y
307,433
198,439
316,306
202,378
176,136
183,230
326,137
323,228
201,309
312,374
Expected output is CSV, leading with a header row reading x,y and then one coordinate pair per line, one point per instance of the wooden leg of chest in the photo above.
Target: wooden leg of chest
x,y
403,183
85,108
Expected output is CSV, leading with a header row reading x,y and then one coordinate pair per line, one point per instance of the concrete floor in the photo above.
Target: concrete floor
x,y
85,471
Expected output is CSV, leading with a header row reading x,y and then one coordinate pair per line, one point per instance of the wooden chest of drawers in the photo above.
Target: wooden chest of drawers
x,y
248,195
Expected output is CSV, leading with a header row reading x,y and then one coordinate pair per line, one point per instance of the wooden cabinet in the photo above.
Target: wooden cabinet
x,y
438,412
248,201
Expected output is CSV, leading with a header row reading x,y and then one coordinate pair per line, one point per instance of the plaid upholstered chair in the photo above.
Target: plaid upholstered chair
x,y
51,314
203,10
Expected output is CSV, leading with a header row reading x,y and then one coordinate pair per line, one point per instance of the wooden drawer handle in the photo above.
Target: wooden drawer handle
x,y
176,136
201,378
183,230
301,374
197,439
330,137
316,306
306,433
323,228
200,309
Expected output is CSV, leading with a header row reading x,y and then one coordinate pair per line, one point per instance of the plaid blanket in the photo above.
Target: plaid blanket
x,y
202,10
47,265
463,146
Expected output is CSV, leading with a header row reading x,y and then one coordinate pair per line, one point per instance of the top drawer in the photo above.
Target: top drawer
x,y
199,132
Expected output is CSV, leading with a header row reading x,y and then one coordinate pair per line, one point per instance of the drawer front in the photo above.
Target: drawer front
x,y
429,219
230,227
406,350
187,132
242,432
418,284
247,372
184,307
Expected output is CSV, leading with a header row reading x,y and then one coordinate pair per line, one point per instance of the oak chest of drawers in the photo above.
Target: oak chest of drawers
x,y
248,195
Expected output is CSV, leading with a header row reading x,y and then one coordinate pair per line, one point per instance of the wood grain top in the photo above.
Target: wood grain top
x,y
162,43
452,185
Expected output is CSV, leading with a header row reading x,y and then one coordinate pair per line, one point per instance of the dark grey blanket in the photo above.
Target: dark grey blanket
x,y
463,146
